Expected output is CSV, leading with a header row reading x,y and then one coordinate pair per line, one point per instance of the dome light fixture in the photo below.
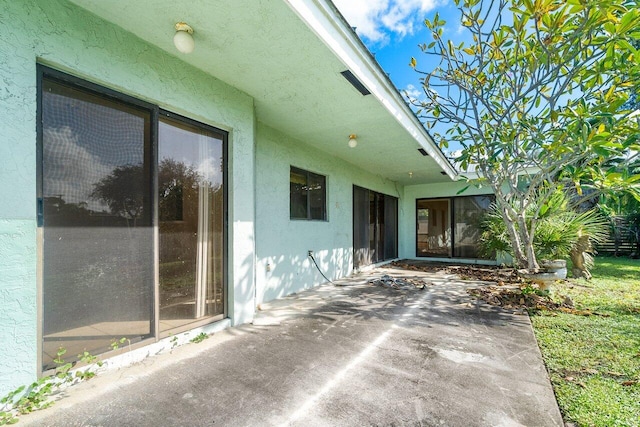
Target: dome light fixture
x,y
353,142
183,39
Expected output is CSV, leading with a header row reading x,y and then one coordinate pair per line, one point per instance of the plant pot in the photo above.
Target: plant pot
x,y
556,266
541,278
549,272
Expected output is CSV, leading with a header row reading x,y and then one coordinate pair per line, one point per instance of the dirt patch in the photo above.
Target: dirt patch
x,y
484,273
510,292
517,298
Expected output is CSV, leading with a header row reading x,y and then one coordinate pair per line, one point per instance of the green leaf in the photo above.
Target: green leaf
x,y
463,190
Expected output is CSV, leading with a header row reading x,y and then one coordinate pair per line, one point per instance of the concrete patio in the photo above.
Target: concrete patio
x,y
347,355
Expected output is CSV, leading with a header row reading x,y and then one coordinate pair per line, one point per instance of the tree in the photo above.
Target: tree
x,y
536,100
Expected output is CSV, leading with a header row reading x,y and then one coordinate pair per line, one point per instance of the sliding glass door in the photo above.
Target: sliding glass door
x,y
434,228
191,212
96,211
375,227
450,227
131,210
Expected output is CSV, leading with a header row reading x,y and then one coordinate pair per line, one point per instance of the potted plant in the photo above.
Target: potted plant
x,y
561,232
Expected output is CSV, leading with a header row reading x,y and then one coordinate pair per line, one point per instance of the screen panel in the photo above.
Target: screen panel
x,y
467,215
96,213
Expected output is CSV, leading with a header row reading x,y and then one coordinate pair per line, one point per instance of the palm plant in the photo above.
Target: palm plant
x,y
560,230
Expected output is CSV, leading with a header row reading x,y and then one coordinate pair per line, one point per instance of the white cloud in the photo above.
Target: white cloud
x,y
71,170
413,93
376,20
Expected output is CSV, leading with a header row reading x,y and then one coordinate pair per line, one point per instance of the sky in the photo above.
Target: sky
x,y
393,29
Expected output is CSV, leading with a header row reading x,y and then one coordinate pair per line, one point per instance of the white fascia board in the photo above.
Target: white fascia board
x,y
476,174
324,19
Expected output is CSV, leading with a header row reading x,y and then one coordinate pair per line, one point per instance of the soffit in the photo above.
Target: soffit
x,y
264,49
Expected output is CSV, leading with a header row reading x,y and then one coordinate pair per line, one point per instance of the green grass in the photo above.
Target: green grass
x,y
591,358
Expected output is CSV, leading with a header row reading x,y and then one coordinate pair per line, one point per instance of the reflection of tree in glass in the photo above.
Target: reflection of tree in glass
x,y
177,184
472,215
123,191
56,205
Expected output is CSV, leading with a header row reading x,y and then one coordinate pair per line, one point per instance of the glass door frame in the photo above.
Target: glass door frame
x,y
450,228
45,72
375,202
225,240
452,225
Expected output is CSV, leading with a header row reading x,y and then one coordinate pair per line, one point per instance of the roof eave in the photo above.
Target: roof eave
x,y
324,19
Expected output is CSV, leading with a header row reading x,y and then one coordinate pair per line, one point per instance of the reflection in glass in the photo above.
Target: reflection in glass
x,y
375,227
298,194
97,235
390,229
191,212
467,215
308,195
317,196
434,229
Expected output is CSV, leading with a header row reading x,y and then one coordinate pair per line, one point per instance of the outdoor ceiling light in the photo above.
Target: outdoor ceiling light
x,y
353,142
183,39
410,175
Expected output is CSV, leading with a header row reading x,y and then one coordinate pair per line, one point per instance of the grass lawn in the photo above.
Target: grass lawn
x,y
594,361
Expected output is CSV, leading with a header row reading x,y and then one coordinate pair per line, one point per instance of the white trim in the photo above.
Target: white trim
x,y
324,20
474,261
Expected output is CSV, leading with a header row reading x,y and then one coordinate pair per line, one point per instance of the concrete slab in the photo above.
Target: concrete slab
x,y
341,356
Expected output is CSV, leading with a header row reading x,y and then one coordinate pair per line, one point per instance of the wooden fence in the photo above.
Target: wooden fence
x,y
622,240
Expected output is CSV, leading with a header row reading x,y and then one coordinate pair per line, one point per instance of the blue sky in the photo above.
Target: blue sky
x,y
393,29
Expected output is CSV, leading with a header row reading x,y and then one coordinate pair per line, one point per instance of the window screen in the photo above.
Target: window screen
x,y
467,216
96,212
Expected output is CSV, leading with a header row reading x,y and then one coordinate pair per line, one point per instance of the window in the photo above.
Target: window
x,y
308,195
111,169
450,227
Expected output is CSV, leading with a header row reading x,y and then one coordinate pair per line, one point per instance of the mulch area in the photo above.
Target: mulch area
x,y
510,291
484,273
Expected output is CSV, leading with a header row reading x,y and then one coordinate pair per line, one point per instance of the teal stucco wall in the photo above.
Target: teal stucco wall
x,y
408,211
63,36
283,243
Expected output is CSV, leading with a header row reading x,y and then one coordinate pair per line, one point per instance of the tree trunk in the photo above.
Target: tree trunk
x,y
520,258
526,241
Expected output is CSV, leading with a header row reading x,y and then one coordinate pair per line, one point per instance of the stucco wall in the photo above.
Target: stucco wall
x,y
408,212
65,37
283,243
